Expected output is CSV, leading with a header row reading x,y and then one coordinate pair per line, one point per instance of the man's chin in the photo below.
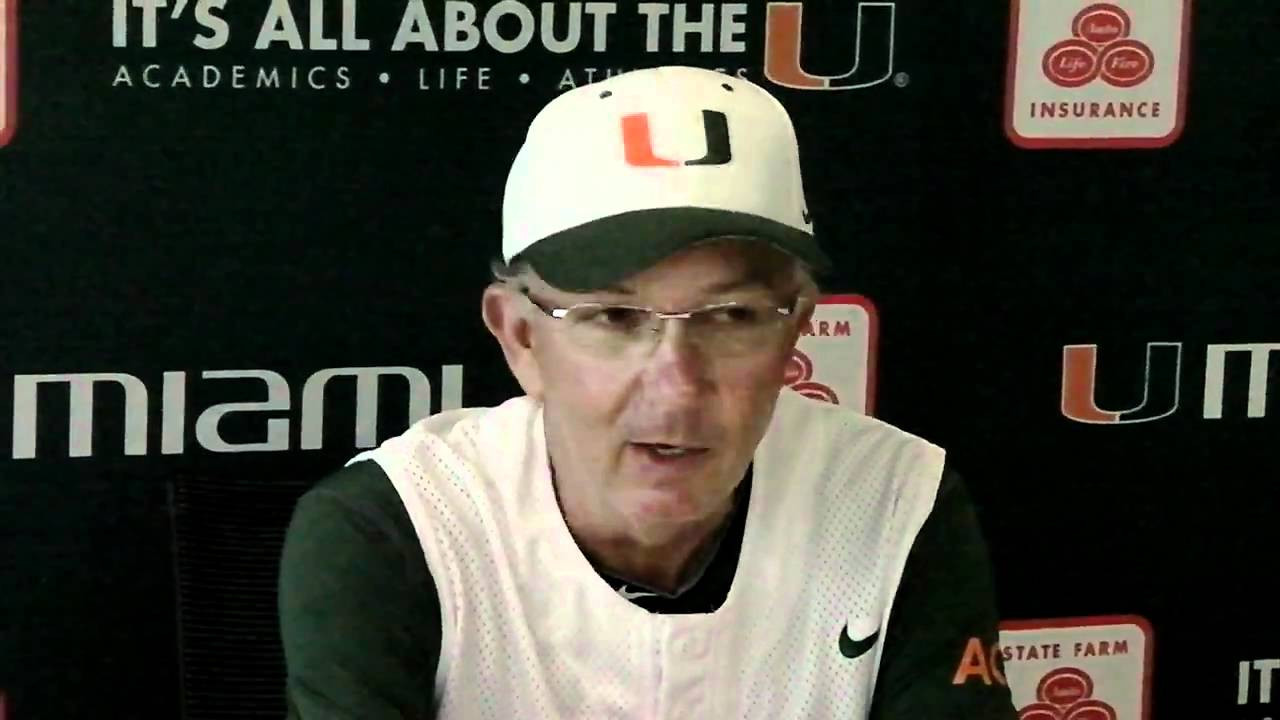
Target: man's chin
x,y
666,508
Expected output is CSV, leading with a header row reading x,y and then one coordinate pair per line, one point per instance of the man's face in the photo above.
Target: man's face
x,y
607,416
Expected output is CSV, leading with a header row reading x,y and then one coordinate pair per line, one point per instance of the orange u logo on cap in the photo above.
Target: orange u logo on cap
x,y
638,142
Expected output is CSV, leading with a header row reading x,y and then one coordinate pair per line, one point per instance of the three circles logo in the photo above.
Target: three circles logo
x,y
1079,668
1097,74
1100,47
1066,694
799,377
834,358
8,69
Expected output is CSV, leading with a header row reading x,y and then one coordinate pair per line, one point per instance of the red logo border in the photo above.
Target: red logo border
x,y
1148,634
873,339
1079,143
9,80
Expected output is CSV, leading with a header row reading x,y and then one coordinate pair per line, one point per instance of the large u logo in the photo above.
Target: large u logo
x,y
1159,390
872,48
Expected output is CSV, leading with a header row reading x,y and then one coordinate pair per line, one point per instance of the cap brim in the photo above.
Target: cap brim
x,y
603,252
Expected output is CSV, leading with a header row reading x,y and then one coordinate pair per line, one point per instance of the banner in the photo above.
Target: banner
x,y
246,239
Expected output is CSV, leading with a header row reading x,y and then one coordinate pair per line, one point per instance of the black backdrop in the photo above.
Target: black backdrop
x,y
279,232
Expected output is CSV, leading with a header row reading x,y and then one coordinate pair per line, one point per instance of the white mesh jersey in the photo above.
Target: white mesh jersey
x,y
530,630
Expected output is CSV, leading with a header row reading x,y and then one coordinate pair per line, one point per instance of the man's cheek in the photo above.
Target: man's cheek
x,y
753,381
595,393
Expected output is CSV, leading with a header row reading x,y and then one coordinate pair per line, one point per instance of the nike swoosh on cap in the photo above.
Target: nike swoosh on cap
x,y
851,648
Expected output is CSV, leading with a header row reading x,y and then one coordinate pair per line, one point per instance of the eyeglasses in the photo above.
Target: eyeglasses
x,y
730,329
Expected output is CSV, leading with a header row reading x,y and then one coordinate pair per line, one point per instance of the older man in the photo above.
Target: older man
x,y
656,528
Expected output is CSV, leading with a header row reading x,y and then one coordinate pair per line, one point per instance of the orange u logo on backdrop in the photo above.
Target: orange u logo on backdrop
x,y
1159,391
872,48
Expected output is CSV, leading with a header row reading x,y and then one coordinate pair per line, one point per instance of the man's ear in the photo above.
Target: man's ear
x,y
505,317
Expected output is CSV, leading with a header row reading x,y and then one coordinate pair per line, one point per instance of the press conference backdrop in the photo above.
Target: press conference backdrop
x,y
244,239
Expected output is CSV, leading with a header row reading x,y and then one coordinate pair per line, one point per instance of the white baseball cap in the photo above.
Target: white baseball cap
x,y
617,175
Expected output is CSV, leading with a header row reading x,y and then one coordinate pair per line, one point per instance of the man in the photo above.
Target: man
x,y
655,528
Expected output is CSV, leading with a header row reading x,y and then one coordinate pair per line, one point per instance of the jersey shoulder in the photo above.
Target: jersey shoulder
x,y
841,446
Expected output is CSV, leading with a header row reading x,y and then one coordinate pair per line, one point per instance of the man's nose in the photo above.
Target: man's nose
x,y
678,365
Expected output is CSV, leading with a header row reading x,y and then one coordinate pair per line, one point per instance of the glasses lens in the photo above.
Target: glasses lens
x,y
738,329
608,328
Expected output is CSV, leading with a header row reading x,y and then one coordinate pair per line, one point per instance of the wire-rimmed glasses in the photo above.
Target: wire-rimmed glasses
x,y
729,329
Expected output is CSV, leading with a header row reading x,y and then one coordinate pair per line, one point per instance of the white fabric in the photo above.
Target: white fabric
x,y
531,630
571,170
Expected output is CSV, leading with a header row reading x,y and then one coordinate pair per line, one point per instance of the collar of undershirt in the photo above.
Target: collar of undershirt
x,y
698,564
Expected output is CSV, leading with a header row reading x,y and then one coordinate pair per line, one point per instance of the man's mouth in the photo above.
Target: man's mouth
x,y
669,450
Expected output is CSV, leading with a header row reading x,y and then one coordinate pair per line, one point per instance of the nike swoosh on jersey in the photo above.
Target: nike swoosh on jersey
x,y
851,648
629,595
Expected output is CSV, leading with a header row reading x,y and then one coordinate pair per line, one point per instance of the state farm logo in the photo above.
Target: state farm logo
x,y
1066,694
835,357
8,70
1099,47
799,377
1089,668
1097,75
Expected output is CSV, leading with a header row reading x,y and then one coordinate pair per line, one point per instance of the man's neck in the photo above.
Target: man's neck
x,y
660,559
